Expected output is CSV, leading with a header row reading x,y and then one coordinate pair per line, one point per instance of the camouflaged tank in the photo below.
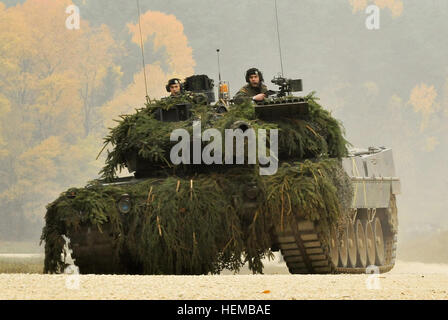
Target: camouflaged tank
x,y
326,208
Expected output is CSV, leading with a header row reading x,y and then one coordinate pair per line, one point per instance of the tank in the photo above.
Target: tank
x,y
325,207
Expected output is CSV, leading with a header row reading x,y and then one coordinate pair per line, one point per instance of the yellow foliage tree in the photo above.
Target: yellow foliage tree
x,y
395,6
51,83
167,33
54,88
423,100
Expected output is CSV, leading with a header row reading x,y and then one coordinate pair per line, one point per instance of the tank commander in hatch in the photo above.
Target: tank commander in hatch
x,y
255,88
174,87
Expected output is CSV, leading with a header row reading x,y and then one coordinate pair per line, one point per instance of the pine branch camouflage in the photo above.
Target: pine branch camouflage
x,y
191,221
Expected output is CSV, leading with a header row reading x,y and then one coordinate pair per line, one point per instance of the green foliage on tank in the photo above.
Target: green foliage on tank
x,y
200,224
315,136
191,221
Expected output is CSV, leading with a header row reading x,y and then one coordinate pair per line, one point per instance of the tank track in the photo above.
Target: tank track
x,y
305,251
93,251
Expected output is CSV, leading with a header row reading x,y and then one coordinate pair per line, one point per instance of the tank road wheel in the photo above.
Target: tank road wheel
x,y
351,244
343,249
370,243
361,244
379,242
334,248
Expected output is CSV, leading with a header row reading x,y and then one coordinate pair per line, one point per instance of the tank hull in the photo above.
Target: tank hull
x,y
365,241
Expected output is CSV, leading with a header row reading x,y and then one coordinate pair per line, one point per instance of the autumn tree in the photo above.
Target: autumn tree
x,y
171,45
52,84
59,89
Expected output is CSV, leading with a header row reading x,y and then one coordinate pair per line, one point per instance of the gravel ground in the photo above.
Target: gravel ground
x,y
406,281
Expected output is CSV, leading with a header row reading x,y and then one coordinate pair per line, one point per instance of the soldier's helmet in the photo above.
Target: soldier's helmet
x,y
174,81
252,71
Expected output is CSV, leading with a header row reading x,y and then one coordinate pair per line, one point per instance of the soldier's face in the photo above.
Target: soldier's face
x,y
254,80
175,89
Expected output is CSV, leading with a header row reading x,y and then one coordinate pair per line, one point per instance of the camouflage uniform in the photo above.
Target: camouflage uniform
x,y
248,92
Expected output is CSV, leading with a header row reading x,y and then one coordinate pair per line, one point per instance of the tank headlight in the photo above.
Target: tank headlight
x,y
252,192
124,205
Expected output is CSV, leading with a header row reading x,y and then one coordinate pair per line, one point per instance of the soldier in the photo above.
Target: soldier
x,y
177,90
174,87
255,88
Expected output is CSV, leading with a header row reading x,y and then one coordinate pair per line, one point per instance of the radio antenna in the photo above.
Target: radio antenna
x,y
143,51
278,36
219,65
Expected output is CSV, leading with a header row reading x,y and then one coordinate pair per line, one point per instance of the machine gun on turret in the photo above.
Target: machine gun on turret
x,y
286,86
283,104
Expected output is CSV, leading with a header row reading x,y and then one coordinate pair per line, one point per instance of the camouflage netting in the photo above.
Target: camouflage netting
x,y
317,135
199,223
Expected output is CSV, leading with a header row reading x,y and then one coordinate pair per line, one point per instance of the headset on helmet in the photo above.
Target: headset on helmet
x,y
174,81
252,71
